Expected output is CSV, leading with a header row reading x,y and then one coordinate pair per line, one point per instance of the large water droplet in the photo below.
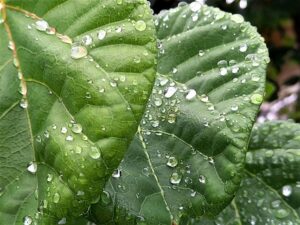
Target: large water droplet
x,y
170,92
257,99
78,52
41,25
94,153
140,25
243,47
172,162
175,178
195,6
191,94
32,167
287,190
77,128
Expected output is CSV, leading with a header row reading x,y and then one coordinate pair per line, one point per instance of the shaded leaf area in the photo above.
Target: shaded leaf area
x,y
186,158
272,179
70,101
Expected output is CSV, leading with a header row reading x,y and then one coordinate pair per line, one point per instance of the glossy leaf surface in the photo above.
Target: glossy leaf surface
x,y
186,158
75,77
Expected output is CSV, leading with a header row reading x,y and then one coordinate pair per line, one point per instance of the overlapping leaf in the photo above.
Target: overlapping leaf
x,y
270,193
84,74
187,157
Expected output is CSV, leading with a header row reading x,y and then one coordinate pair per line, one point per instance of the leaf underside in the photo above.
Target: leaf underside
x,y
186,158
69,114
270,192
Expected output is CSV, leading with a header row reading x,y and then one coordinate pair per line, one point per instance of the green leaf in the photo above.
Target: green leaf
x,y
187,156
270,192
73,88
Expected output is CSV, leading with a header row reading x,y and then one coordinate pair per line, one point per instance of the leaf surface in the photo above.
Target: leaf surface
x,y
270,192
74,83
186,158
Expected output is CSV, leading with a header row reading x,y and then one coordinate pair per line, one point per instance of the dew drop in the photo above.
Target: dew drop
x,y
174,70
94,153
27,220
281,213
175,178
101,34
140,25
256,99
286,190
201,53
56,198
202,179
24,103
191,94
87,40
64,130
170,92
117,173
32,167
243,47
49,177
172,162
204,98
234,108
69,138
41,25
77,128
237,18
195,6
223,71
78,52
235,69
157,102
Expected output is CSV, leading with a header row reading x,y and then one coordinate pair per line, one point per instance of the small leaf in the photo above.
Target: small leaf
x,y
270,192
188,153
73,88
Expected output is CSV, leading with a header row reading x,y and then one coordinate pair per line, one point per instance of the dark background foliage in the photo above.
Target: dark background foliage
x,y
278,21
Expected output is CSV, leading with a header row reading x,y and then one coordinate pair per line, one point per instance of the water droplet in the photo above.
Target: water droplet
x,y
101,34
257,99
105,198
140,25
11,45
41,25
204,98
94,153
224,27
77,128
243,47
113,84
117,173
255,78
157,102
201,53
32,167
281,213
235,69
119,2
49,177
195,6
287,190
78,52
62,221
27,220
234,108
172,162
174,70
170,92
175,178
64,130
223,71
24,103
69,138
202,179
237,18
191,94
87,40
56,197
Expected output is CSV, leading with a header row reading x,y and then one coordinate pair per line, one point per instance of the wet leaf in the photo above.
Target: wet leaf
x,y
187,157
75,77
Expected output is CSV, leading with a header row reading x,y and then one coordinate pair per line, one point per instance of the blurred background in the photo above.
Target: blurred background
x,y
278,21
